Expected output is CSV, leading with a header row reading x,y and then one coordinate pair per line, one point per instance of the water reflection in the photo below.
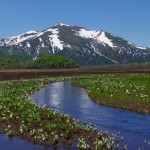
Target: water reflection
x,y
15,143
75,101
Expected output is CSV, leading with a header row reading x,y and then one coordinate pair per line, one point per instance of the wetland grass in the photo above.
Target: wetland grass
x,y
20,116
125,91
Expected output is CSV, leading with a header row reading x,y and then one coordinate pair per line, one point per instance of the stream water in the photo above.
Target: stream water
x,y
62,96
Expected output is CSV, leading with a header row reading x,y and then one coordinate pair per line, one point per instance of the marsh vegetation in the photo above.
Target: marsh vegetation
x,y
127,91
20,116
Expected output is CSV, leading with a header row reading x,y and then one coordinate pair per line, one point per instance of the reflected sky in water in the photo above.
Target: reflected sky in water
x,y
74,101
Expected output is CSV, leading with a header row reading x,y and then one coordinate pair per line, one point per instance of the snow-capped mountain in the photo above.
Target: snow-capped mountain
x,y
84,46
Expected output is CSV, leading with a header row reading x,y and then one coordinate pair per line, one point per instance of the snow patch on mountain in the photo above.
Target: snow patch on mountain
x,y
97,35
2,43
54,39
15,40
28,45
62,24
34,58
30,32
140,47
67,46
97,51
88,34
102,38
40,40
39,34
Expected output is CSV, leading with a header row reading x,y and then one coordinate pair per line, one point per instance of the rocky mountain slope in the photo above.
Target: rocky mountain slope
x,y
87,47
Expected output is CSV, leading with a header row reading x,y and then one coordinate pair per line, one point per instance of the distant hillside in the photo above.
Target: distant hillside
x,y
12,53
6,63
87,47
49,61
145,65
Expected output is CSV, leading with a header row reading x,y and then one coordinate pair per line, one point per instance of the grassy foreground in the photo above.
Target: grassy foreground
x,y
19,116
127,91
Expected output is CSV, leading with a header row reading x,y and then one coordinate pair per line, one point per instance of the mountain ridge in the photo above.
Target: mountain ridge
x,y
87,47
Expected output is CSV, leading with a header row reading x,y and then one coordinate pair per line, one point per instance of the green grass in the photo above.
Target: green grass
x,y
20,116
127,91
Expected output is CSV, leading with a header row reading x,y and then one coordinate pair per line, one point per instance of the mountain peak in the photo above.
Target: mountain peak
x,y
87,47
62,24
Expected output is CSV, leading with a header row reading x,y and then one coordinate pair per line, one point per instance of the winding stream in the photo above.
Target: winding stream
x,y
62,96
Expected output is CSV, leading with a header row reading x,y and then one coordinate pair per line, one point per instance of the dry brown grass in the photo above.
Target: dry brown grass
x,y
13,74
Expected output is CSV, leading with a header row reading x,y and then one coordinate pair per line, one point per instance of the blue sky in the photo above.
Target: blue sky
x,y
129,19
